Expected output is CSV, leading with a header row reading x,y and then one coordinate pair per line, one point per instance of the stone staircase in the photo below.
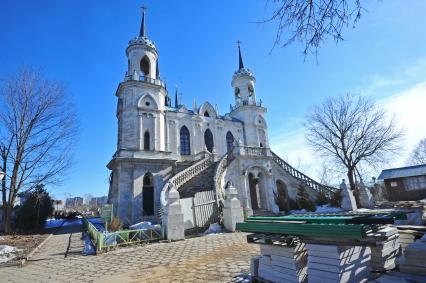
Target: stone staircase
x,y
199,183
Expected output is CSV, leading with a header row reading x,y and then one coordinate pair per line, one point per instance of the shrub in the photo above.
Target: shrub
x,y
336,200
293,204
35,210
322,198
303,200
281,200
115,225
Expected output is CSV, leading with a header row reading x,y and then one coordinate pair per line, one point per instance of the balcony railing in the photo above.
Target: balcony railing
x,y
152,81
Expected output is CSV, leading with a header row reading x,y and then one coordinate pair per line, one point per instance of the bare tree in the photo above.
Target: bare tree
x,y
418,156
38,127
352,131
312,21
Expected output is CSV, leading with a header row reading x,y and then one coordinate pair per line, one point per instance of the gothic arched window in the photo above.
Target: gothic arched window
x,y
229,141
208,140
185,146
146,141
206,114
145,64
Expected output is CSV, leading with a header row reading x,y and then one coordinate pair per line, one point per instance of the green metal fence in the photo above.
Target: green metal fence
x,y
103,241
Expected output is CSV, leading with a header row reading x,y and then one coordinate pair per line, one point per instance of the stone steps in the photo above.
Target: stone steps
x,y
200,183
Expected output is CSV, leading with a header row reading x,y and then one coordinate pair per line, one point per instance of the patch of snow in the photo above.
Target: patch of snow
x,y
141,225
214,228
320,209
7,253
89,249
328,209
144,225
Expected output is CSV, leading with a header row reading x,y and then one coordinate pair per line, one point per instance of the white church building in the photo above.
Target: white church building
x,y
163,145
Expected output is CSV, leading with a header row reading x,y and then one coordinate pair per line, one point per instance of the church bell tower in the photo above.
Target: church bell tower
x,y
247,108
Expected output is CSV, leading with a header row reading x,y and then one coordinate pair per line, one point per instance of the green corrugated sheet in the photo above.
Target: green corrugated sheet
x,y
347,231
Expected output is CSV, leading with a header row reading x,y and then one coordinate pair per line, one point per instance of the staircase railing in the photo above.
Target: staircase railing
x,y
185,175
218,174
327,190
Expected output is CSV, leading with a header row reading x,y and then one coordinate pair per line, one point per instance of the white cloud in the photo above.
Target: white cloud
x,y
409,108
407,102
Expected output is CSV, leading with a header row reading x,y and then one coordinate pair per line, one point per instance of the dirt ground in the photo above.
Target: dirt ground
x,y
25,243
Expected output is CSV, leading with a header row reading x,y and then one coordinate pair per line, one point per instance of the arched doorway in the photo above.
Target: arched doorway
x,y
254,192
281,197
208,140
148,195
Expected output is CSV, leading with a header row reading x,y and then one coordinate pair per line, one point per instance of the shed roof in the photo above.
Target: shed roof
x,y
409,171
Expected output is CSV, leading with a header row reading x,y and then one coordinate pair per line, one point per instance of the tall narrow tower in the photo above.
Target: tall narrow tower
x,y
138,163
142,97
246,107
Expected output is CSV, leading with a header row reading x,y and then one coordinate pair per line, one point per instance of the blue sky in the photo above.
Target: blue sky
x,y
82,43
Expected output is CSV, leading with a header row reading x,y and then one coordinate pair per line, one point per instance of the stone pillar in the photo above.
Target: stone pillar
x,y
173,218
365,198
232,210
348,199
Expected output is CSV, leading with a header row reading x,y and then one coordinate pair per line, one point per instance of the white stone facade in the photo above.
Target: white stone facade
x,y
156,140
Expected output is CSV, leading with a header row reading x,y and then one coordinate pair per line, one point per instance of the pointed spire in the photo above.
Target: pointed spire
x,y
240,58
142,32
194,106
176,97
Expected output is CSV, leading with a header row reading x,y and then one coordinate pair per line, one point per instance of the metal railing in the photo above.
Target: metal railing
x,y
104,241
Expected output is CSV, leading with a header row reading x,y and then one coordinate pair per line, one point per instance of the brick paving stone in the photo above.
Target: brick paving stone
x,y
212,258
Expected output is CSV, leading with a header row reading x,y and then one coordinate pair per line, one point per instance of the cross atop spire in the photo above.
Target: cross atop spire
x,y
240,58
142,32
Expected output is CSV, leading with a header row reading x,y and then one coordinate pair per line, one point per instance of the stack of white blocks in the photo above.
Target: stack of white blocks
x,y
330,263
384,254
414,259
406,238
281,263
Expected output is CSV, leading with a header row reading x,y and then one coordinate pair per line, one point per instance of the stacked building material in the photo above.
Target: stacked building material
x,y
383,255
408,234
331,263
406,238
414,259
281,263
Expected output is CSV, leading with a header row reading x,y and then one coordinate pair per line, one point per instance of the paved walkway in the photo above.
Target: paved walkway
x,y
212,258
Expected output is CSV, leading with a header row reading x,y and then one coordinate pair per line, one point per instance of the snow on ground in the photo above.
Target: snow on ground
x,y
214,228
320,209
145,225
7,253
